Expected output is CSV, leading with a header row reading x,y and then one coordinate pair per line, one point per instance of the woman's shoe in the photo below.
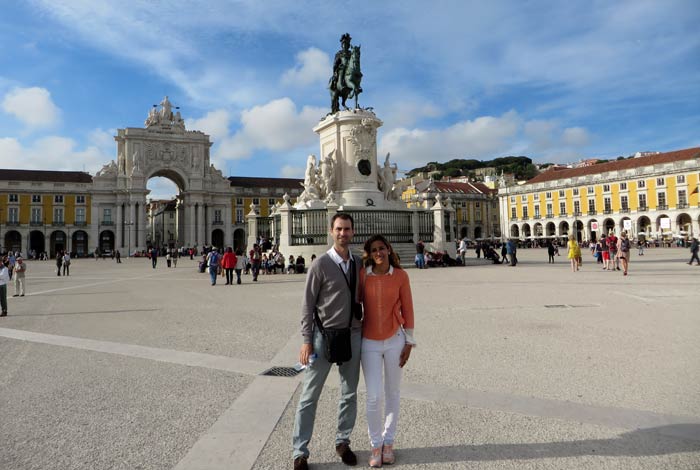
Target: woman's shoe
x,y
375,459
388,456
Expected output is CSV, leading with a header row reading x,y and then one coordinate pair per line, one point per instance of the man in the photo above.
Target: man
x,y
255,260
119,257
612,246
213,264
154,256
66,264
420,255
462,251
20,269
694,251
511,249
4,279
332,293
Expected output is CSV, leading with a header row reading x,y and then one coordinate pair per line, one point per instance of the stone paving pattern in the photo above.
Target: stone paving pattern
x,y
534,367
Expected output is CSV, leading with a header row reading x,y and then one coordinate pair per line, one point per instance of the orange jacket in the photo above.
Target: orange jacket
x,y
388,304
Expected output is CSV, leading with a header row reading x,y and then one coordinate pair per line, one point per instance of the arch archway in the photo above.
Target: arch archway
x,y
514,231
106,242
37,242
563,228
13,241
622,226
608,226
79,243
58,242
463,232
663,227
644,227
477,233
239,239
526,231
595,233
685,225
538,231
217,238
578,230
551,229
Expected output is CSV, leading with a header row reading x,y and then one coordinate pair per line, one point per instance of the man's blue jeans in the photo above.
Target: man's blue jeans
x,y
314,379
213,271
420,261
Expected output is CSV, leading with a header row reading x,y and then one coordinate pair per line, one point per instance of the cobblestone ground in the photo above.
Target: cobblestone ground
x,y
121,366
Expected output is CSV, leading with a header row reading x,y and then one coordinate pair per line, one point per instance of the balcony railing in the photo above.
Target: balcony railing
x,y
514,219
107,222
625,210
36,223
525,217
58,223
661,207
12,223
218,222
682,205
562,214
592,212
578,214
80,223
642,208
607,211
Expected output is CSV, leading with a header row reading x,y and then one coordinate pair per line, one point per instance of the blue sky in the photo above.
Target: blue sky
x,y
556,81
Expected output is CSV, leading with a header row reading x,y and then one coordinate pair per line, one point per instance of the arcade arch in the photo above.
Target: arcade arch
x,y
13,241
551,229
514,231
58,242
37,242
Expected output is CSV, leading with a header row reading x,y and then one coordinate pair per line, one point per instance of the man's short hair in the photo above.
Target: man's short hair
x,y
343,216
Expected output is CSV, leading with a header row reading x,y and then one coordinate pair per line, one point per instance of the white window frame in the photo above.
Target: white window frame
x,y
641,184
575,191
641,196
80,214
562,193
13,215
624,202
35,211
36,198
58,198
80,199
623,186
606,188
660,182
680,179
59,215
13,197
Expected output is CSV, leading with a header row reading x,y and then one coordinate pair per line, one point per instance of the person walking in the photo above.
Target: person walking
x,y
694,245
213,260
331,302
550,251
66,264
11,260
623,251
174,255
574,252
255,261
20,270
59,262
228,263
387,341
4,279
504,253
168,258
119,257
462,251
154,257
511,249
240,264
612,246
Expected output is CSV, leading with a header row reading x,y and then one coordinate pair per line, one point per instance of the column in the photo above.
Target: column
x,y
132,226
141,234
94,241
200,225
119,242
228,234
191,224
252,222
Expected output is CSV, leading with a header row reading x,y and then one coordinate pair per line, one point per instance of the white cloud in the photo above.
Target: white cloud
x,y
576,137
482,137
289,171
53,152
215,123
275,126
313,65
33,106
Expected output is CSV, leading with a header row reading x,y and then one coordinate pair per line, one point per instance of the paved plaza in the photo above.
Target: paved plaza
x,y
121,366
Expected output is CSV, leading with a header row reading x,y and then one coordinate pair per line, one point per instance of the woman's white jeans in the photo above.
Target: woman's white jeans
x,y
380,366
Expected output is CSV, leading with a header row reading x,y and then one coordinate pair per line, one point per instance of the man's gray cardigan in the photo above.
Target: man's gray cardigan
x,y
327,292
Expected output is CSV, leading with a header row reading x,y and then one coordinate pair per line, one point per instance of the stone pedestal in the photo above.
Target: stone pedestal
x,y
351,138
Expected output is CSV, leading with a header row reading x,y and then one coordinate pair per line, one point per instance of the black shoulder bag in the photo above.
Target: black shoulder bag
x,y
338,345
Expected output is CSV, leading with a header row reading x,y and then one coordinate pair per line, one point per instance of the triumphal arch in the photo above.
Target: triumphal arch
x,y
163,147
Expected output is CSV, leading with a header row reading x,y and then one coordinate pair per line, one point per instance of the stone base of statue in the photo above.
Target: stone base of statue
x,y
349,138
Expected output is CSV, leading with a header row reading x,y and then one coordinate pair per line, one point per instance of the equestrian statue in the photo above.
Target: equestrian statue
x,y
345,82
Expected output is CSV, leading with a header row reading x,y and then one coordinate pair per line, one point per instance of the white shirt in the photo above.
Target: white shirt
x,y
369,272
337,259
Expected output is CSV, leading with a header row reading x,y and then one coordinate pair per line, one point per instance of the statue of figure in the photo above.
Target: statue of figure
x,y
109,169
136,162
121,164
326,175
387,178
152,118
310,174
345,82
179,123
167,111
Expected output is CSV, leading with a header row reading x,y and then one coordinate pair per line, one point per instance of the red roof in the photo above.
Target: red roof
x,y
667,157
454,188
47,176
247,181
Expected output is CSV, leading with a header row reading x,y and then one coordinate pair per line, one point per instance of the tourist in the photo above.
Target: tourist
x,y
504,253
174,255
478,250
300,264
511,250
623,251
420,255
228,263
255,260
331,301
66,264
612,246
291,269
168,259
387,340
462,251
213,265
4,279
20,270
574,252
119,257
606,254
154,257
694,251
59,262
550,251
240,264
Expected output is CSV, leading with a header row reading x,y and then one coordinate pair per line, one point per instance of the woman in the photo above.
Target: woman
x,y
574,252
240,264
228,263
623,251
387,340
59,262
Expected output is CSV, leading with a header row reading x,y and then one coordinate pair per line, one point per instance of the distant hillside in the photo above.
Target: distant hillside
x,y
522,167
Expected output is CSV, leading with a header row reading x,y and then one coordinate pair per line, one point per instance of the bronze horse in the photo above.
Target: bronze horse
x,y
351,86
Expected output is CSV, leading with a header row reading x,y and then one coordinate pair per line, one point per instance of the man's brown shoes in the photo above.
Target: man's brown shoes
x,y
346,455
300,464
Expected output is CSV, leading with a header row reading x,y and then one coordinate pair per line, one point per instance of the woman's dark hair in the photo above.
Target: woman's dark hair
x,y
367,256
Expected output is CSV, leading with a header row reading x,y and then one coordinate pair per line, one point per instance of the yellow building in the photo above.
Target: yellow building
x,y
652,196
